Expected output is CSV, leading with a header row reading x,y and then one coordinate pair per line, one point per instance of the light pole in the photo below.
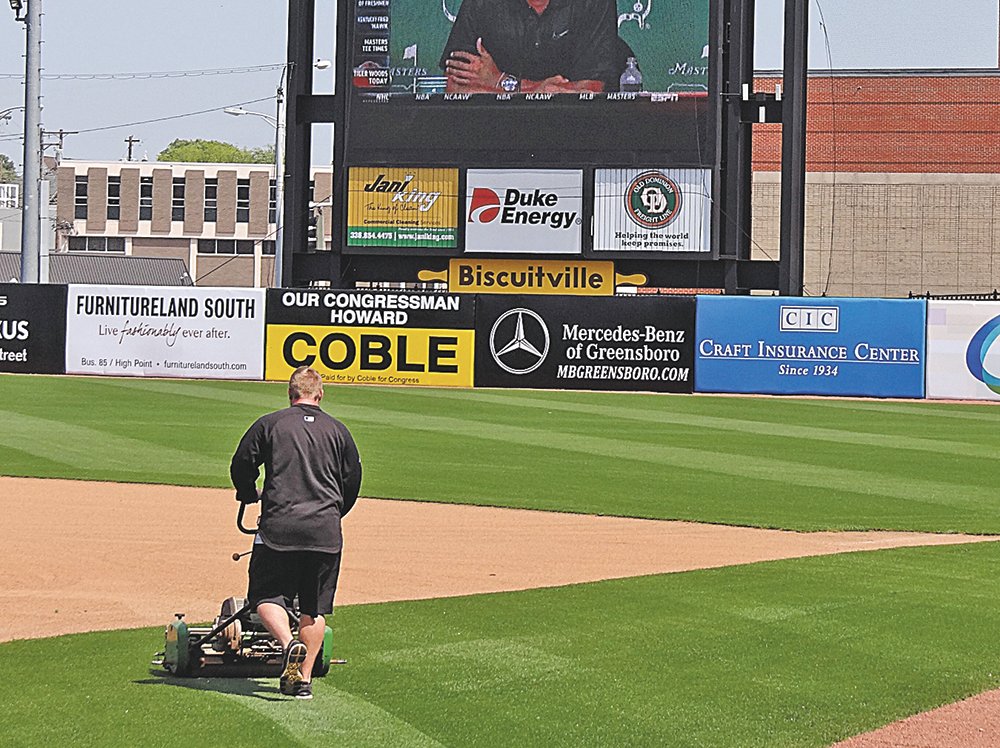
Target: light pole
x,y
278,123
30,206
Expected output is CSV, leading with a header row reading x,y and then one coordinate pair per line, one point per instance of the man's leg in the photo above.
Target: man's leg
x,y
275,618
311,631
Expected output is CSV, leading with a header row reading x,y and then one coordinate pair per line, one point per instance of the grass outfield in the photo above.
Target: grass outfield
x,y
790,463
790,653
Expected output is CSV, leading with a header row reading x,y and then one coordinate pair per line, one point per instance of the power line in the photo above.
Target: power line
x,y
147,75
16,136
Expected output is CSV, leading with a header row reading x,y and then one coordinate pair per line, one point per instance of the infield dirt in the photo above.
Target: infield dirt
x,y
81,556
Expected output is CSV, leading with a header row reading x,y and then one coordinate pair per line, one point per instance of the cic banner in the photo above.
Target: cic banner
x,y
369,337
612,343
810,346
193,333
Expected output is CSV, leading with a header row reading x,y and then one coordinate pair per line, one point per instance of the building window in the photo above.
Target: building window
x,y
177,201
242,201
80,198
267,247
211,200
114,198
146,199
272,202
225,246
97,244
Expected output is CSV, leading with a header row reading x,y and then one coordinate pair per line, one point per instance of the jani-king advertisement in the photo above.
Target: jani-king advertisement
x,y
402,207
803,346
195,333
369,337
530,211
610,343
32,328
963,356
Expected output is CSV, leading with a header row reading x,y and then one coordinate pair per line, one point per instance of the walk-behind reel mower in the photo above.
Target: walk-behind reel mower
x,y
236,645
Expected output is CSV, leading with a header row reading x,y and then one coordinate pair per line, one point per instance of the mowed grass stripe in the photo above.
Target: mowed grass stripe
x,y
789,653
605,453
794,473
83,446
738,425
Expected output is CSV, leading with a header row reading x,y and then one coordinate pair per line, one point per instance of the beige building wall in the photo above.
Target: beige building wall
x,y
887,235
128,223
97,199
225,271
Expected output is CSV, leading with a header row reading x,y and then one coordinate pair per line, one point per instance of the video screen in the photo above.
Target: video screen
x,y
530,50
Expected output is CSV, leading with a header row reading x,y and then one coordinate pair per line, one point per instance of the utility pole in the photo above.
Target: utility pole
x,y
31,215
132,141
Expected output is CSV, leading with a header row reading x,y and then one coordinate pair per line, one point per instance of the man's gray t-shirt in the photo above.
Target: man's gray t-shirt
x,y
312,475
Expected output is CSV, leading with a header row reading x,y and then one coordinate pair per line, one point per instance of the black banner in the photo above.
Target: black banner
x,y
617,343
32,329
369,309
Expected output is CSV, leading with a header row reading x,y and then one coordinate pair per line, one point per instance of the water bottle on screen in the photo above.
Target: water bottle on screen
x,y
631,80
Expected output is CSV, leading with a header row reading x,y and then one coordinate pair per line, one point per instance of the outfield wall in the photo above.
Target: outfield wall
x,y
886,348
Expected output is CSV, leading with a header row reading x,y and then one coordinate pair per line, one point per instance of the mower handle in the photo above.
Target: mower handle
x,y
239,521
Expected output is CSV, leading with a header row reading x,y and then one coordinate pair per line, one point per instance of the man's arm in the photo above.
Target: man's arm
x,y
245,466
350,472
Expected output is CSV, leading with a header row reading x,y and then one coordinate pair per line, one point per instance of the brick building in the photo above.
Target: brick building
x,y
903,182
217,218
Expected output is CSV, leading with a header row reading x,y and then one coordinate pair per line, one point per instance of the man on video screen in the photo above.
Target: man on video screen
x,y
526,46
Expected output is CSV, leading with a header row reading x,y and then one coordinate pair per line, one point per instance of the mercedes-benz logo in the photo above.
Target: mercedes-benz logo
x,y
525,347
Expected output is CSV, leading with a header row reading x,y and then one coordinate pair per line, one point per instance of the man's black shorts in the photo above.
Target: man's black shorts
x,y
278,576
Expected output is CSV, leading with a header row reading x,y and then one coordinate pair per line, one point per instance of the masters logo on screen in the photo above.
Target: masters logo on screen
x,y
653,200
402,207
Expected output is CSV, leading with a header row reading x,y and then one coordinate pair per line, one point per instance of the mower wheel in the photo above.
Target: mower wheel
x,y
177,652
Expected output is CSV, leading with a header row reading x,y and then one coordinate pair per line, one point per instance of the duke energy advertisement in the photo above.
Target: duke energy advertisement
x,y
367,337
535,211
195,333
784,346
32,328
963,356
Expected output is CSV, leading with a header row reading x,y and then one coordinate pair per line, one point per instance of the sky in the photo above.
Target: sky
x,y
171,36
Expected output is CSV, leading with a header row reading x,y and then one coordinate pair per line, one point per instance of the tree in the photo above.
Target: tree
x,y
8,174
215,152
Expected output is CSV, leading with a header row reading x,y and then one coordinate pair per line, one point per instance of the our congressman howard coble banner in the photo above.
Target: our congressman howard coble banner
x,y
197,333
371,337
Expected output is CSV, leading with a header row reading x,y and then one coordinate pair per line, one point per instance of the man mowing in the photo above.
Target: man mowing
x,y
312,475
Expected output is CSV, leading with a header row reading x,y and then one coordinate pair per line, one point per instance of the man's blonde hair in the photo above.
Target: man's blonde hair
x,y
305,384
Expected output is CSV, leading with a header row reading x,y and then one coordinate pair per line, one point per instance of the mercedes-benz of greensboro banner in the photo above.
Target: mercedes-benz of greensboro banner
x,y
652,210
402,207
614,343
867,347
535,211
32,328
368,337
963,356
210,333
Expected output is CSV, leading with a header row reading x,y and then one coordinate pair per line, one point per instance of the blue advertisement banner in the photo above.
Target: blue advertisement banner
x,y
796,346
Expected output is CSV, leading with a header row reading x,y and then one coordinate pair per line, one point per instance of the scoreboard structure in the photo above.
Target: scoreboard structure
x,y
613,132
